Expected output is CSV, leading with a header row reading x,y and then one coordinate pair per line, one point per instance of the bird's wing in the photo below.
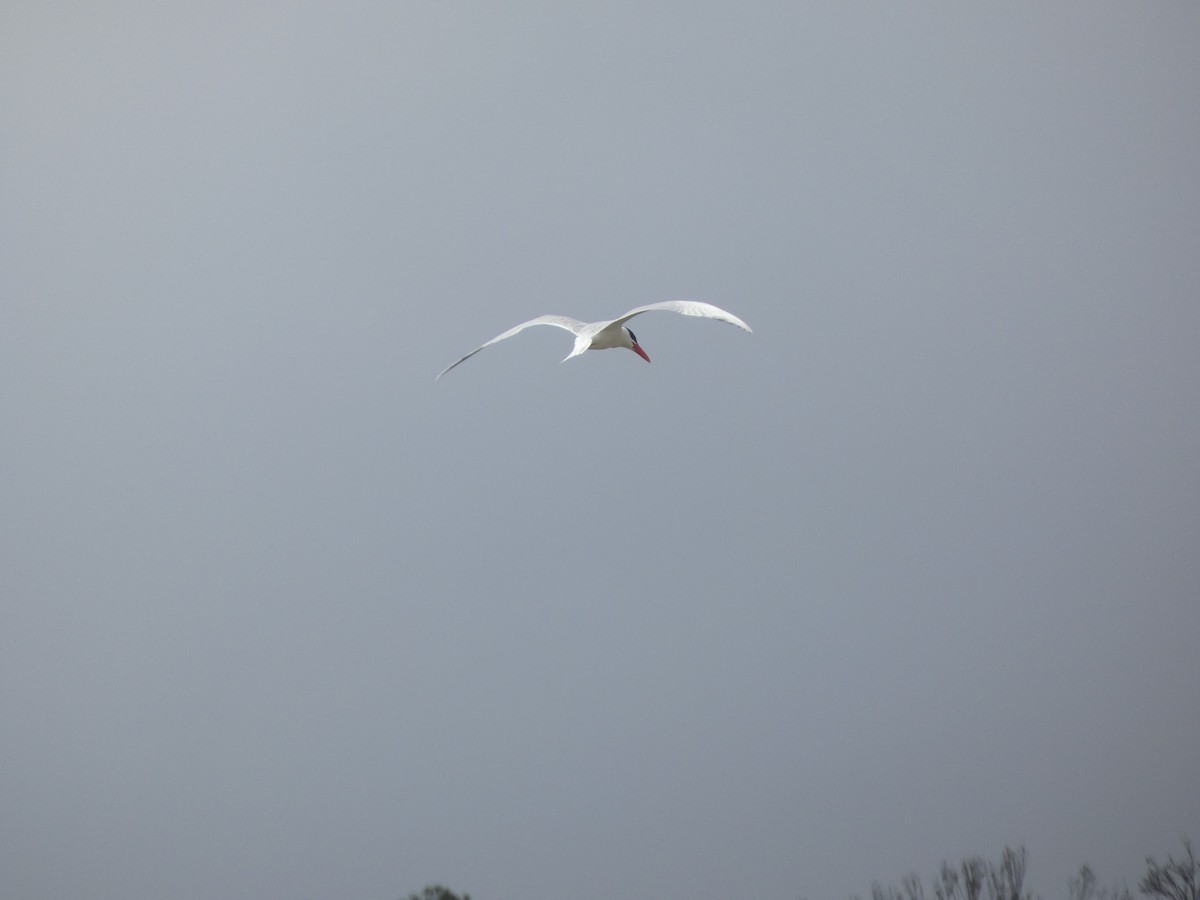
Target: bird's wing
x,y
569,324
686,308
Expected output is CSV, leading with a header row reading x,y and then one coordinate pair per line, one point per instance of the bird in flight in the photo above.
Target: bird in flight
x,y
611,333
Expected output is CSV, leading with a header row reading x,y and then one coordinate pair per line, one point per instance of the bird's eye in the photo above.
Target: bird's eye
x,y
632,336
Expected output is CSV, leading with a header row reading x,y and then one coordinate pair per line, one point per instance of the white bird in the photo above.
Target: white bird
x,y
611,333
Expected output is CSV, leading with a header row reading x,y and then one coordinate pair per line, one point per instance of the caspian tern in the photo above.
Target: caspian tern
x,y
611,333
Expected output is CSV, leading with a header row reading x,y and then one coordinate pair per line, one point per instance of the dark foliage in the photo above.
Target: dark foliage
x,y
968,881
437,892
1174,879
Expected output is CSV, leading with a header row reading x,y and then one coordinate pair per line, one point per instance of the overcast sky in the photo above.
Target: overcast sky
x,y
910,573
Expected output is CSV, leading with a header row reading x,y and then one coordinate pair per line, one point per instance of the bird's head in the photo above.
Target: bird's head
x,y
635,346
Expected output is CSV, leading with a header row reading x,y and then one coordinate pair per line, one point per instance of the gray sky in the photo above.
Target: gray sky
x,y
908,574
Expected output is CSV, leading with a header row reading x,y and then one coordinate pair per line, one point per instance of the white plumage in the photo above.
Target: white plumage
x,y
612,332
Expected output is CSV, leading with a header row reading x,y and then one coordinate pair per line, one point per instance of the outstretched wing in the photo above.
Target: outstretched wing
x,y
571,325
686,308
